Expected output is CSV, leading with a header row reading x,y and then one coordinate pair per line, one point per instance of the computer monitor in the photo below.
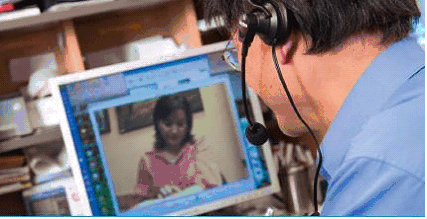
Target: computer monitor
x,y
162,137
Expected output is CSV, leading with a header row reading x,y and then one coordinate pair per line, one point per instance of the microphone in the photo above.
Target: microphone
x,y
256,134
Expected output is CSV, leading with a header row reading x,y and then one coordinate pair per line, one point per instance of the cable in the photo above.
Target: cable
x,y
282,80
245,101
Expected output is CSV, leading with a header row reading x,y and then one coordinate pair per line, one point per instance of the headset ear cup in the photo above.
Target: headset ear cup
x,y
270,21
284,24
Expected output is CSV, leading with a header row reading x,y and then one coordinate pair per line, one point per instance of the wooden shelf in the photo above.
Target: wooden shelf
x,y
75,31
77,11
113,29
40,136
13,204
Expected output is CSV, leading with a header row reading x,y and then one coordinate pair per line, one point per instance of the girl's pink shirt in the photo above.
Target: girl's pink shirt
x,y
157,171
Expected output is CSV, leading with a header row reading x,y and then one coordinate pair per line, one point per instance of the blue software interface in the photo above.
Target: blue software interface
x,y
41,203
142,153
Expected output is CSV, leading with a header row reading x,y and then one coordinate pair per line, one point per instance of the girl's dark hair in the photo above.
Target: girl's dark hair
x,y
164,107
328,23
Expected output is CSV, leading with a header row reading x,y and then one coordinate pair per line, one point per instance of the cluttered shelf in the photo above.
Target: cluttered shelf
x,y
29,169
71,31
70,34
68,11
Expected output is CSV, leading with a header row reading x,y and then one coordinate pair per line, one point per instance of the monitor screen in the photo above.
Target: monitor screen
x,y
162,139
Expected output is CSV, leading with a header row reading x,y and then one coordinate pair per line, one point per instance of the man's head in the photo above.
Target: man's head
x,y
331,44
326,24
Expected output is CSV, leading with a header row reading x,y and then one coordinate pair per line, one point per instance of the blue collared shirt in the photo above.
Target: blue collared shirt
x,y
373,152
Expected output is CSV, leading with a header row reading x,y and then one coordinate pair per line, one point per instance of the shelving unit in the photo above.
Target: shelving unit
x,y
71,33
78,11
74,32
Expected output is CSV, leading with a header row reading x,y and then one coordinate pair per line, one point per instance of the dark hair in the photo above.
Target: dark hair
x,y
328,23
164,107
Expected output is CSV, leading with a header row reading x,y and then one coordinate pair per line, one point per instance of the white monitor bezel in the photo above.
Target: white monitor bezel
x,y
55,83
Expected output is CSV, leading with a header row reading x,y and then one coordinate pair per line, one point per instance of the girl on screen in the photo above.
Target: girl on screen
x,y
174,164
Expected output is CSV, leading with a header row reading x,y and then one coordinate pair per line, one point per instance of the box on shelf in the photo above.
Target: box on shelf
x,y
43,112
14,119
146,49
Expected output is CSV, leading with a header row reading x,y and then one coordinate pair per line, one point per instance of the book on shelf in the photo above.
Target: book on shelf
x,y
13,187
17,174
12,161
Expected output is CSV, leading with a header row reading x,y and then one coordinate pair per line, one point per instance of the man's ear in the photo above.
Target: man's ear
x,y
288,50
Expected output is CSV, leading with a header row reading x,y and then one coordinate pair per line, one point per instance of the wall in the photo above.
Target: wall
x,y
215,124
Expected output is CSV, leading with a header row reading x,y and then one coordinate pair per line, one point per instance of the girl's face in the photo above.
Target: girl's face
x,y
174,128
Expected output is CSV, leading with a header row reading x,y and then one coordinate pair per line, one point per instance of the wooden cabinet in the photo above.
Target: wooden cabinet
x,y
72,33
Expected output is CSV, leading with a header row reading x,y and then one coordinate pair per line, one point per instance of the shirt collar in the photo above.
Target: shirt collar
x,y
387,72
161,155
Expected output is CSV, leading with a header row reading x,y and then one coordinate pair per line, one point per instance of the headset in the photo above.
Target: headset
x,y
273,23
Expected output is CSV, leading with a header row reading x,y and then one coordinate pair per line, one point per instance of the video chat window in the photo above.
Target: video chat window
x,y
169,145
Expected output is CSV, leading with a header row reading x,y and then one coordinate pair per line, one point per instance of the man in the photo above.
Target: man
x,y
357,79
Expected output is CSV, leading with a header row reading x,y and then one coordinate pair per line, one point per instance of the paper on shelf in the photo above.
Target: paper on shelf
x,y
289,156
74,5
36,70
300,155
7,16
14,187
